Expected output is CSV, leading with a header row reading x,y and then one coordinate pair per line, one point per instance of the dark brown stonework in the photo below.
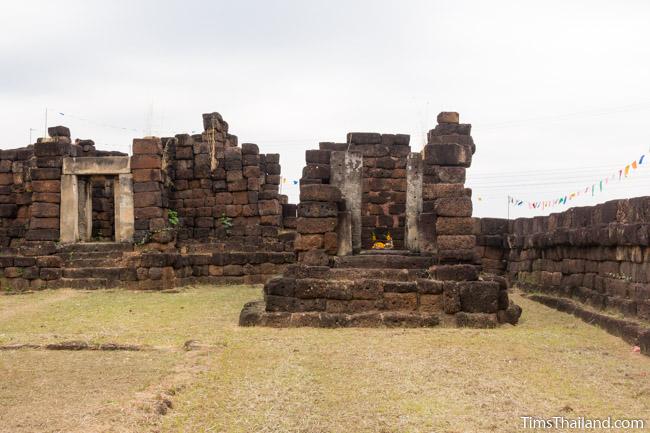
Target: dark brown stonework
x,y
335,286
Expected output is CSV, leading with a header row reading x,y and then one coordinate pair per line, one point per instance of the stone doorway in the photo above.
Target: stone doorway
x,y
87,211
401,204
96,208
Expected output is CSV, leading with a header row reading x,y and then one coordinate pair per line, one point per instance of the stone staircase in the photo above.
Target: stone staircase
x,y
381,288
389,287
92,265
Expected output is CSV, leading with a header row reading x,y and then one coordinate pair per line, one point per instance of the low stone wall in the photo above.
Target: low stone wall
x,y
140,270
597,255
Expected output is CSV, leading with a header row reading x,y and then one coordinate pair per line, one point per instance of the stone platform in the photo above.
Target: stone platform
x,y
382,289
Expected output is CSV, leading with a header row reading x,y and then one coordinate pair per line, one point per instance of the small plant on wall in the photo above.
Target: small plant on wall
x,y
172,217
226,222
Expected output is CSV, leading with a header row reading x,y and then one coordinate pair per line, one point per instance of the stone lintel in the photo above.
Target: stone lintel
x,y
88,165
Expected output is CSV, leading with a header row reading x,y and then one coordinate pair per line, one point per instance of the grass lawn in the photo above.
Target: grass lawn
x,y
298,380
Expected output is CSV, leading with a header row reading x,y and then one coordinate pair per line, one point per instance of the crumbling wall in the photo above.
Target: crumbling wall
x,y
445,225
150,192
225,193
205,210
597,255
15,195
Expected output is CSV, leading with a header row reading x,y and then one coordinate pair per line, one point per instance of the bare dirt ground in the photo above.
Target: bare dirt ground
x,y
232,379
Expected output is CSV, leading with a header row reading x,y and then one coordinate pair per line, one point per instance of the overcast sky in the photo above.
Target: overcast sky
x,y
558,91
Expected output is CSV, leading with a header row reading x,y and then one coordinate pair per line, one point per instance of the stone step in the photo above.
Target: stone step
x,y
84,283
96,247
99,262
73,255
351,274
86,273
386,253
383,261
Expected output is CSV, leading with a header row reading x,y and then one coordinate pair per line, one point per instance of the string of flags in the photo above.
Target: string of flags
x,y
590,190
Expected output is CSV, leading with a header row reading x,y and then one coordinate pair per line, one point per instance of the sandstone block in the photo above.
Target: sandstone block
x,y
147,199
51,148
58,131
147,146
476,320
400,301
479,296
146,175
45,210
448,154
306,242
316,225
314,258
317,209
454,226
250,149
453,207
430,303
146,161
364,138
328,193
46,174
448,117
317,156
46,186
451,298
456,242
269,207
444,190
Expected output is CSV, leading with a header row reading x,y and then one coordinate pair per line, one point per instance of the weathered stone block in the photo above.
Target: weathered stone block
x,y
46,173
451,303
316,156
148,146
46,186
456,242
430,303
147,175
58,131
364,138
146,161
454,226
250,149
317,209
306,242
448,154
52,148
269,207
316,225
479,296
400,301
476,320
448,117
453,207
45,210
328,193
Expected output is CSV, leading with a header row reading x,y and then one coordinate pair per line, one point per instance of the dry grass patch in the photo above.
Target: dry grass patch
x,y
298,380
415,380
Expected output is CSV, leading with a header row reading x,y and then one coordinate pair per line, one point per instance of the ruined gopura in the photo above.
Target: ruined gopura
x,y
381,236
385,236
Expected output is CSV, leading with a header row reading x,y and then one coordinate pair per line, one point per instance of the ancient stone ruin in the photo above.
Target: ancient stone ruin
x,y
381,236
386,237
180,210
